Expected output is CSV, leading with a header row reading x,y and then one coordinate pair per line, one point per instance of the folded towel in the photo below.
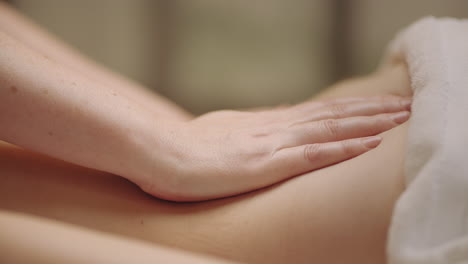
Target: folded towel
x,y
430,220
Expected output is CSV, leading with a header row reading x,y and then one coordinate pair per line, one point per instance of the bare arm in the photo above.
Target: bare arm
x,y
36,38
52,109
339,214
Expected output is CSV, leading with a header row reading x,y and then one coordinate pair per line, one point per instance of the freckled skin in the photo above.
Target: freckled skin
x,y
80,112
306,218
90,123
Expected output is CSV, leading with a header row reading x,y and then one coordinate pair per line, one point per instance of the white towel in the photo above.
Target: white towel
x,y
430,220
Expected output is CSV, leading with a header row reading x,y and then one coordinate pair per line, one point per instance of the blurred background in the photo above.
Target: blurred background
x,y
214,54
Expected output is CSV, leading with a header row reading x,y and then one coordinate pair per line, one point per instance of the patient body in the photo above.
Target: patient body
x,y
339,214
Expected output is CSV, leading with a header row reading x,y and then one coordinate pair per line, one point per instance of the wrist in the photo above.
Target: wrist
x,y
156,157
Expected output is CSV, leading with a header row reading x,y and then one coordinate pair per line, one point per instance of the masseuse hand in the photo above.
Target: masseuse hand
x,y
225,153
103,123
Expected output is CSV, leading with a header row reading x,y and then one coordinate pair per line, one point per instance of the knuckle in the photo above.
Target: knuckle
x,y
338,110
387,102
260,133
388,121
376,120
349,149
331,127
311,152
378,123
327,103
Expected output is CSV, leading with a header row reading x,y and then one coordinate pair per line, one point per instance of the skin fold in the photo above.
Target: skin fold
x,y
338,214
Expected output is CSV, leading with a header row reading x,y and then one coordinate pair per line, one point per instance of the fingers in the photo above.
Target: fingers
x,y
314,105
366,108
356,107
339,129
305,158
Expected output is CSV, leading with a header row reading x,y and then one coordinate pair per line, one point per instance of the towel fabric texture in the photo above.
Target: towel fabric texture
x,y
430,220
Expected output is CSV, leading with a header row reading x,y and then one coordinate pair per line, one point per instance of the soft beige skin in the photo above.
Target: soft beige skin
x,y
21,28
334,215
26,239
57,103
339,214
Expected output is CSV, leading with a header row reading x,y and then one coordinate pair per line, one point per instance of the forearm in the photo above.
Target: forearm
x,y
41,41
59,111
56,111
22,241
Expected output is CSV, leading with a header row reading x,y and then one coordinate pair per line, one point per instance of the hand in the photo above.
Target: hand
x,y
225,153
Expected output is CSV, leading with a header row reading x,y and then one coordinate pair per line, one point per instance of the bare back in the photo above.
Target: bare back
x,y
334,215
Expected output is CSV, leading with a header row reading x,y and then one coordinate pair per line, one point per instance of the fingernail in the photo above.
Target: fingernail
x,y
400,117
406,103
371,142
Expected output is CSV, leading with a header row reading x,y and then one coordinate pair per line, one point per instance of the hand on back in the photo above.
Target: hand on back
x,y
225,153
